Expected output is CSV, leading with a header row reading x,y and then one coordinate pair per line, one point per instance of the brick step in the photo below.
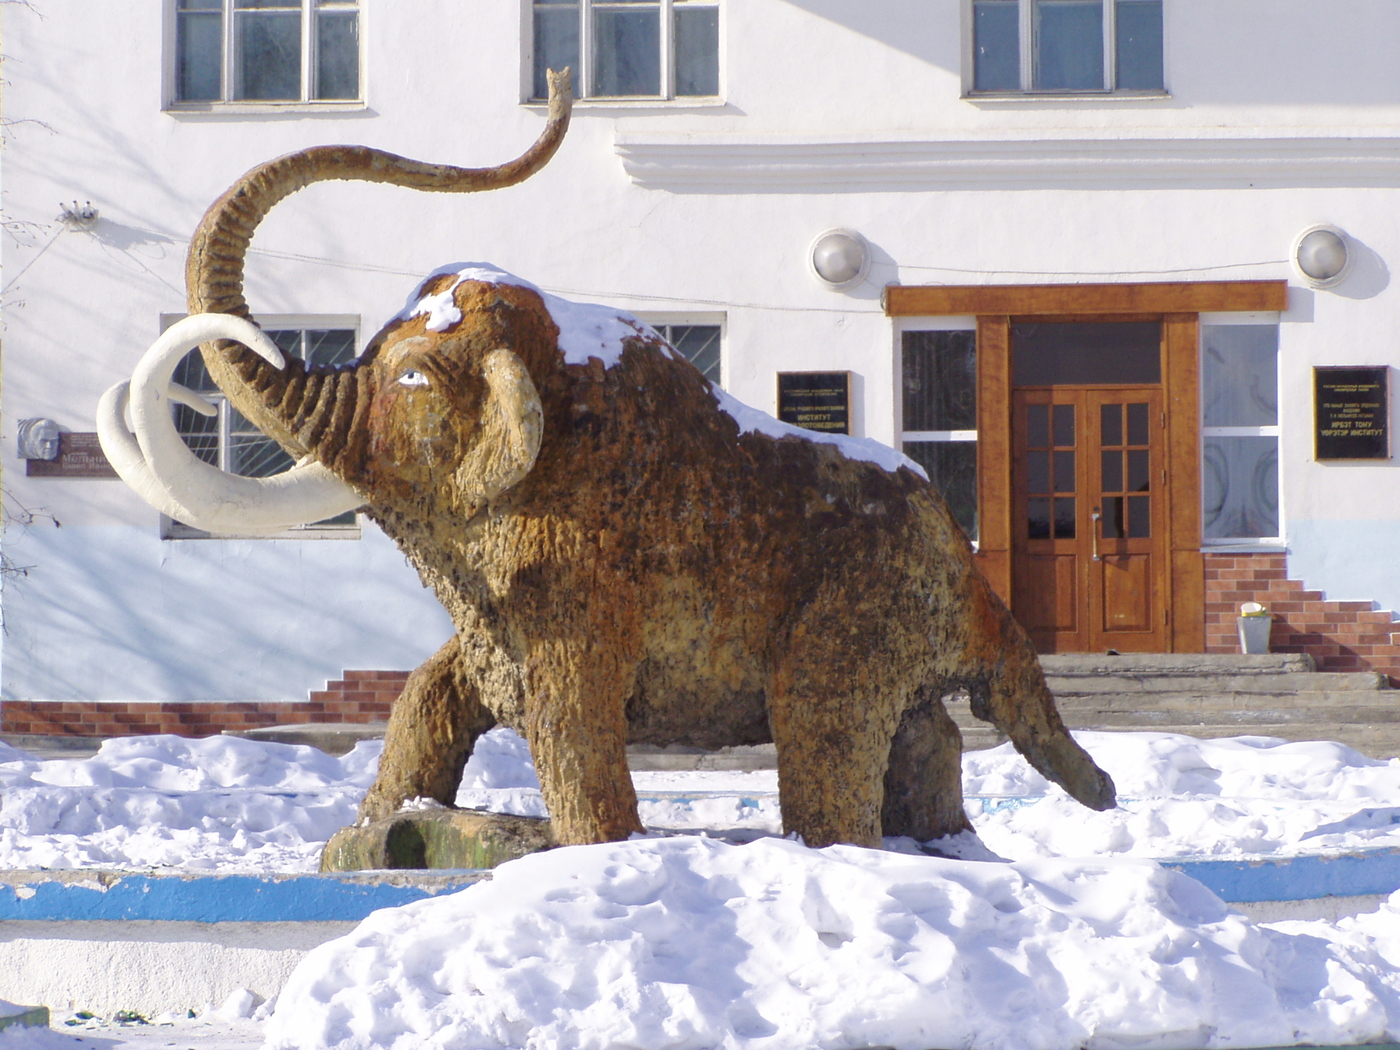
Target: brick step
x,y
1309,683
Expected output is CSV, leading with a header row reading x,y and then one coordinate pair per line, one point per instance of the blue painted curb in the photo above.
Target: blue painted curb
x,y
1363,873
89,896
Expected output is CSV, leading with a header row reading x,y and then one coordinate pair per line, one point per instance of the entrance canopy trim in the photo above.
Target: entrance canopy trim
x,y
1168,297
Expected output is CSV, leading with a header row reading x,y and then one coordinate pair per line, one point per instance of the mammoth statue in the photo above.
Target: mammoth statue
x,y
627,554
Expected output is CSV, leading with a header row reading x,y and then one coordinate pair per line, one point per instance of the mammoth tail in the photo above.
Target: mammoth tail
x,y
1015,698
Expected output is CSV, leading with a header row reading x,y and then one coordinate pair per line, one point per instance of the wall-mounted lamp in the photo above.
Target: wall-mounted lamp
x,y
37,439
1322,256
79,216
839,258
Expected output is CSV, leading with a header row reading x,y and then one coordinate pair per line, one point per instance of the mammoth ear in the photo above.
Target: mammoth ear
x,y
512,426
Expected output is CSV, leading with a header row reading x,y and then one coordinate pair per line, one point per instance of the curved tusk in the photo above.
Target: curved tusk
x,y
177,482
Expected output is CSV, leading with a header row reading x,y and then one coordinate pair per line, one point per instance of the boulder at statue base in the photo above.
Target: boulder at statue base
x,y
436,838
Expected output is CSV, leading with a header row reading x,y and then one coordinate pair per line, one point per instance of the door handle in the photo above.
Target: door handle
x,y
1094,532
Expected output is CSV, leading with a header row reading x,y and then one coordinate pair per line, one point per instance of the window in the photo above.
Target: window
x,y
697,343
1239,435
1067,46
939,380
628,48
266,51
228,440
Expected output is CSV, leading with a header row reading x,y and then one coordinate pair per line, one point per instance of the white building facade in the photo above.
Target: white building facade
x,y
1071,286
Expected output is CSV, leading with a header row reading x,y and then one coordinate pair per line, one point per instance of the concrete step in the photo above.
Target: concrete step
x,y
1150,718
1078,664
1302,682
1324,704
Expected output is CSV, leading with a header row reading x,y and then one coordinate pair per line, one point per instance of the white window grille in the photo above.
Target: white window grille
x,y
254,51
655,49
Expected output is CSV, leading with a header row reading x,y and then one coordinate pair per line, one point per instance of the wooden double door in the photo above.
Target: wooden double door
x,y
1091,561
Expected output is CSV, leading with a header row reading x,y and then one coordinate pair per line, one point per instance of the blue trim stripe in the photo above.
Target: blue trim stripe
x,y
216,898
1358,874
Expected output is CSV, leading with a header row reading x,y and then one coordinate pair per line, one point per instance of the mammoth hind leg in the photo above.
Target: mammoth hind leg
x,y
923,782
432,727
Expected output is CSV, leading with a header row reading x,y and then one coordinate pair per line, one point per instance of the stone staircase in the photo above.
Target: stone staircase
x,y
1214,695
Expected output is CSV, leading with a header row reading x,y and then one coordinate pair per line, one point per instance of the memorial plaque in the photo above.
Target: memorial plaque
x,y
1352,412
816,400
79,456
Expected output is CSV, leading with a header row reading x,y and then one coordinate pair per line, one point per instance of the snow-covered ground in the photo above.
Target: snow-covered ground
x,y
742,939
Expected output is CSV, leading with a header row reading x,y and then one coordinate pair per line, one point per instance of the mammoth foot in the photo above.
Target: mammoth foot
x,y
436,838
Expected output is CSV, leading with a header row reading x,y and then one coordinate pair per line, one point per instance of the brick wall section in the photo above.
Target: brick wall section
x,y
359,697
1340,636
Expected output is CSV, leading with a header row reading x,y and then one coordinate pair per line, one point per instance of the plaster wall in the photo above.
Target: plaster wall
x,y
833,115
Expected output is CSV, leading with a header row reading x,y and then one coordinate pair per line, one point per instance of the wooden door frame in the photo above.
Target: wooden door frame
x,y
1178,305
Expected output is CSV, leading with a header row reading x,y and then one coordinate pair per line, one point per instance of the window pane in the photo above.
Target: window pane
x,y
200,433
627,52
251,453
1139,45
940,380
269,54
952,468
996,45
1239,375
198,56
1068,45
1239,483
556,44
698,344
201,5
337,54
1053,352
697,51
335,346
190,372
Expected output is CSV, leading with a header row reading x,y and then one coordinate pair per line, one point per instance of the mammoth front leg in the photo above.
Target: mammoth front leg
x,y
432,727
575,722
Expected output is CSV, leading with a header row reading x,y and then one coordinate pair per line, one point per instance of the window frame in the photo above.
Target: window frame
x,y
583,72
171,529
671,319
227,104
1243,544
936,323
1026,62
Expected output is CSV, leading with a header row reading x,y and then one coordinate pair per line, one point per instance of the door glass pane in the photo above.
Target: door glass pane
x,y
1138,33
1112,470
1139,517
1038,426
1138,473
1038,470
1239,375
1113,525
1064,518
1045,353
1240,487
940,380
199,45
1038,519
1064,472
1064,425
1137,424
996,45
952,468
1111,424
337,55
268,45
627,52
697,50
1068,45
556,44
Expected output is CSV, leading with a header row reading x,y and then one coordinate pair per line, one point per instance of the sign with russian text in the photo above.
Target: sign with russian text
x,y
816,400
79,456
1351,408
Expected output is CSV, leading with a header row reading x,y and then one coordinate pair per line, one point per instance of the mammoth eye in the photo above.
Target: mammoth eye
x,y
413,377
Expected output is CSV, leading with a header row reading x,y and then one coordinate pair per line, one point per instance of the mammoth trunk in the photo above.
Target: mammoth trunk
x,y
215,266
